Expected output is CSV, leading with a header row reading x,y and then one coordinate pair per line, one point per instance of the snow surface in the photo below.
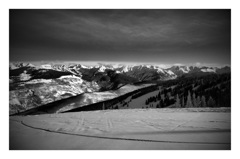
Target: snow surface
x,y
160,70
178,129
72,79
170,72
126,68
39,81
208,70
102,68
46,66
84,66
12,66
138,102
69,76
24,76
95,97
184,71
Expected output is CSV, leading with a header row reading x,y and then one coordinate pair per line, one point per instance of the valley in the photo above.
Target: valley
x,y
61,88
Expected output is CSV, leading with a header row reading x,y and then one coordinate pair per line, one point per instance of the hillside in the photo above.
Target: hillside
x,y
33,86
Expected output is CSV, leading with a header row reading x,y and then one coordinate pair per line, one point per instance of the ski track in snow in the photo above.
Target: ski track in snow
x,y
114,138
152,125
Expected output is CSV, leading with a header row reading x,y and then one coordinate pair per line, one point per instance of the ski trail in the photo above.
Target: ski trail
x,y
183,123
149,125
109,124
116,138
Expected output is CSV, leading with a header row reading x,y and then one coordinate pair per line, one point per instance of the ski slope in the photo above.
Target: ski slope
x,y
157,129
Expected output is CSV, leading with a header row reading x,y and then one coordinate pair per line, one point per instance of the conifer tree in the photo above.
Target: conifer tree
x,y
103,106
198,101
194,100
166,101
177,103
183,104
189,101
203,102
211,102
159,96
161,103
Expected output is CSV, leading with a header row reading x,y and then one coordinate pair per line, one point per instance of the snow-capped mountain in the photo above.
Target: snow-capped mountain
x,y
13,66
140,72
181,70
101,68
32,85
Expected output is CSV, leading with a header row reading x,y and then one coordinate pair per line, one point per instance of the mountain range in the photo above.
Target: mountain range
x,y
139,72
32,86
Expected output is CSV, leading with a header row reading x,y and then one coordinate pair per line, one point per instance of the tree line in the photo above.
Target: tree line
x,y
206,91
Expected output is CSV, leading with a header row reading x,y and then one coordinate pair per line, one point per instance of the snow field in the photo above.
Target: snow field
x,y
142,125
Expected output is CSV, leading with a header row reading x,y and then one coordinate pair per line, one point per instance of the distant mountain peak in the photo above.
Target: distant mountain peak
x,y
132,70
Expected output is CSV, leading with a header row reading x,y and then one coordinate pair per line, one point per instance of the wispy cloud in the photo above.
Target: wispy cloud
x,y
171,36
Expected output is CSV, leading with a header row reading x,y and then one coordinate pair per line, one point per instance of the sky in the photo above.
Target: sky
x,y
161,36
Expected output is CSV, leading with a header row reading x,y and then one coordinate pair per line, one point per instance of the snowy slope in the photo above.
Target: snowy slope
x,y
153,129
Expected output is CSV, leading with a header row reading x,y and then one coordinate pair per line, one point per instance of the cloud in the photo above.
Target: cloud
x,y
178,64
174,36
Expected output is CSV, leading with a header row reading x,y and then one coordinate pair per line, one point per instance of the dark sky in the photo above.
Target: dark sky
x,y
149,36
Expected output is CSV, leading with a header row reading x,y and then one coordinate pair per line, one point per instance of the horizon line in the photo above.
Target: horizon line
x,y
91,63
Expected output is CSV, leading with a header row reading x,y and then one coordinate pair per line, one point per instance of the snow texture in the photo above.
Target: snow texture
x,y
178,129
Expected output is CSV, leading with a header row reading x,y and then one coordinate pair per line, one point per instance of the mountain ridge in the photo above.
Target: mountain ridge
x,y
32,86
120,67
